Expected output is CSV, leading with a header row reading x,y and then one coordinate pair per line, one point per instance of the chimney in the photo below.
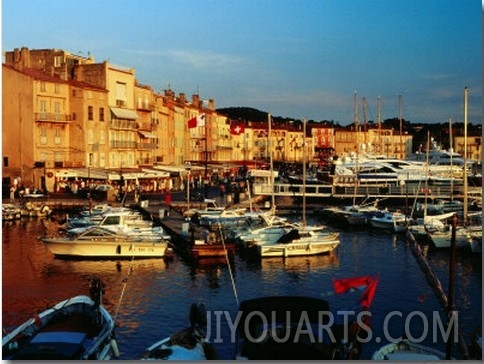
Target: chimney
x,y
182,98
196,100
211,104
25,57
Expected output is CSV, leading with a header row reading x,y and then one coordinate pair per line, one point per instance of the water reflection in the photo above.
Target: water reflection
x,y
151,298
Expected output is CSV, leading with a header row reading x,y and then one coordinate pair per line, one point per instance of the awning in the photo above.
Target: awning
x,y
124,113
147,134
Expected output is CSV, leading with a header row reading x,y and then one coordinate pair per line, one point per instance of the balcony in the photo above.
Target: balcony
x,y
123,124
145,161
121,144
50,117
146,146
145,106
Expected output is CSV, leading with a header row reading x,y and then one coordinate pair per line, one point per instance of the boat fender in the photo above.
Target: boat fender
x,y
114,346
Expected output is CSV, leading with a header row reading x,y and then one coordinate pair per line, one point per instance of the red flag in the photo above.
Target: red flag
x,y
198,120
368,283
367,296
345,284
192,123
237,128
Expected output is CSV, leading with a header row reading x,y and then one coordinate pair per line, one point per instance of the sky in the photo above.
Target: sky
x,y
292,58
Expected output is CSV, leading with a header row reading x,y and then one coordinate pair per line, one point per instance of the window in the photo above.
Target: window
x,y
43,135
57,110
42,86
5,161
58,61
101,114
90,112
102,137
113,160
121,93
57,157
43,109
102,160
74,116
90,136
57,136
57,88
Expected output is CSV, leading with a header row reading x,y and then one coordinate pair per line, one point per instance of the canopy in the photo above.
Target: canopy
x,y
124,113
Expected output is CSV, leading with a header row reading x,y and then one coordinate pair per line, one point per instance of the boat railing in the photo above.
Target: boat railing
x,y
365,190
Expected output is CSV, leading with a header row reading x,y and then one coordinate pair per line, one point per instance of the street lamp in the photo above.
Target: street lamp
x,y
188,167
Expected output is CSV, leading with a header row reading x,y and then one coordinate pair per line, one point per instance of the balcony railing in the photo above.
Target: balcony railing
x,y
150,146
145,161
52,117
123,124
145,107
122,144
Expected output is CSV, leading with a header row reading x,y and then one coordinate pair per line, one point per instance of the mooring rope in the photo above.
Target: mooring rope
x,y
125,283
228,262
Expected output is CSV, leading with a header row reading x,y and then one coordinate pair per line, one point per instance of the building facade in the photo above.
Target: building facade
x,y
67,111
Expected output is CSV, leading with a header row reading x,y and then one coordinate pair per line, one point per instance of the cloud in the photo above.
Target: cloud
x,y
205,60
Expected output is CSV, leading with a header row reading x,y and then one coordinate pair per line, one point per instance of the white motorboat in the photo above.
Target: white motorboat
x,y
407,351
211,208
387,220
188,344
421,227
78,328
443,206
269,234
99,242
124,221
10,212
442,239
300,242
352,215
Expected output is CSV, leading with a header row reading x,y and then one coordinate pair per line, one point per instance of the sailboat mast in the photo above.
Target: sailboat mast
x,y
427,173
402,154
380,151
466,94
364,122
451,162
271,164
304,171
357,149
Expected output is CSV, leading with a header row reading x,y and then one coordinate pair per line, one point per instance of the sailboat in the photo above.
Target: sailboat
x,y
302,239
466,233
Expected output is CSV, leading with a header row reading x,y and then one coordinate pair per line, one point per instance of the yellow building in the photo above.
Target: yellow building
x,y
350,142
89,126
122,116
35,132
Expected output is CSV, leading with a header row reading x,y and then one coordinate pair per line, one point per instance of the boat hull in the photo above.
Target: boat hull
x,y
200,251
297,249
443,239
107,249
64,332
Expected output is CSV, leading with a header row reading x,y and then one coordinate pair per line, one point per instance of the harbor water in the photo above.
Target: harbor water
x,y
150,299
